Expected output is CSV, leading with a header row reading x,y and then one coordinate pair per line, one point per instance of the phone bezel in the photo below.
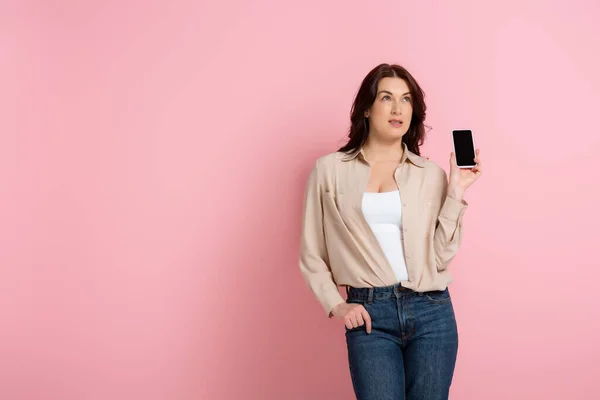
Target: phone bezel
x,y
454,147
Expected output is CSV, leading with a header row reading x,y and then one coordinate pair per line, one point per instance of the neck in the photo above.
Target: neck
x,y
376,150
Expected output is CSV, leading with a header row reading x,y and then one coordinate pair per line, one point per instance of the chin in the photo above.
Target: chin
x,y
394,135
390,135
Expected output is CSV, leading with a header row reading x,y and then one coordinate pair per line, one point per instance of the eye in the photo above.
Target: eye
x,y
385,97
406,99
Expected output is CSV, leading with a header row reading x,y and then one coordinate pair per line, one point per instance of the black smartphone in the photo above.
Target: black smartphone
x,y
464,148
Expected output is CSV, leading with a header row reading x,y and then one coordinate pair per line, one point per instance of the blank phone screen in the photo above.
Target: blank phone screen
x,y
463,147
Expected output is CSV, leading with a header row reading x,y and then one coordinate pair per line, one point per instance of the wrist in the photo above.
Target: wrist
x,y
334,310
456,193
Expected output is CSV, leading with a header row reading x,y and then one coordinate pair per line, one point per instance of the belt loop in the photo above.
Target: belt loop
x,y
370,297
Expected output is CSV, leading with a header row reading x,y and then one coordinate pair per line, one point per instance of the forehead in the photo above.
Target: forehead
x,y
394,85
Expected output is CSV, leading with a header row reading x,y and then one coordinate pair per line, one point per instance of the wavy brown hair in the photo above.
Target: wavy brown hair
x,y
359,128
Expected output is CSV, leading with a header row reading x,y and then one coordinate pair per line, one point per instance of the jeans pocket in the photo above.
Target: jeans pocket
x,y
438,296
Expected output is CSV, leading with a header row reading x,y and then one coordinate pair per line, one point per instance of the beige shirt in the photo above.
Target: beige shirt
x,y
338,247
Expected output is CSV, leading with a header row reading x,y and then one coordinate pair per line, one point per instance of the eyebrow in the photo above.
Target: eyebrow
x,y
385,91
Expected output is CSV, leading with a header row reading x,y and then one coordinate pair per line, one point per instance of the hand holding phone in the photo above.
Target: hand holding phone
x,y
465,163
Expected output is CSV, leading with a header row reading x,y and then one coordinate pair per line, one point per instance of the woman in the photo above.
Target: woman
x,y
385,223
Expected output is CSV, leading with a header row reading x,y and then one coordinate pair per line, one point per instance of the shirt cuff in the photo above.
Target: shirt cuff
x,y
453,209
332,300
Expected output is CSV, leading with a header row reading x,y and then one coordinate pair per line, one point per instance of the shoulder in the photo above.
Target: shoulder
x,y
332,158
325,168
434,171
329,162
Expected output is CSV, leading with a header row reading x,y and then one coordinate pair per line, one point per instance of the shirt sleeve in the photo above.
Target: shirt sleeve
x,y
314,262
449,231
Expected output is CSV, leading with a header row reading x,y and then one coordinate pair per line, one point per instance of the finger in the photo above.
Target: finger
x,y
477,158
367,319
350,323
359,320
452,160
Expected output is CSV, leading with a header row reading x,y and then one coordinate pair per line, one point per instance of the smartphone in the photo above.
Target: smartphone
x,y
464,148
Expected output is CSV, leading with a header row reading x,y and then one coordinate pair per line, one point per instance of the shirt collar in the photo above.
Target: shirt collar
x,y
412,157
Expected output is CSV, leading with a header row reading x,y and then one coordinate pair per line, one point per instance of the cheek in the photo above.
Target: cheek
x,y
409,111
380,115
378,109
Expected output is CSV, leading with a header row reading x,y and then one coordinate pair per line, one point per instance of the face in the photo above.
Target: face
x,y
391,112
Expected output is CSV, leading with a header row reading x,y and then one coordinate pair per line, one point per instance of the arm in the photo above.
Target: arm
x,y
448,232
314,262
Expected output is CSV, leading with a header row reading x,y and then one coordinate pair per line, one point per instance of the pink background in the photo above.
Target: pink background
x,y
153,157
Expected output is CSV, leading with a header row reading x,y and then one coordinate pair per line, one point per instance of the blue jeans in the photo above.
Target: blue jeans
x,y
411,351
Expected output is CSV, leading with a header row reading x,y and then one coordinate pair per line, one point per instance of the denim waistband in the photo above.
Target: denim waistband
x,y
379,293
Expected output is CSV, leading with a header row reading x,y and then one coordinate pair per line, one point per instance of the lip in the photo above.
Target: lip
x,y
391,121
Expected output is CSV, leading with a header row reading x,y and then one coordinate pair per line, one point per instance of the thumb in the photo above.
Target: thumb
x,y
453,166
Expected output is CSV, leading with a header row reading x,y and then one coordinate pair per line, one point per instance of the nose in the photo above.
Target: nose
x,y
396,109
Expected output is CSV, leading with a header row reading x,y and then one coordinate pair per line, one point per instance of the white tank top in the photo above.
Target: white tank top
x,y
383,212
